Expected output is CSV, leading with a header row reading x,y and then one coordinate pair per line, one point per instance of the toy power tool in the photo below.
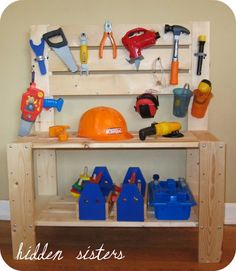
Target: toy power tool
x,y
32,104
146,105
137,39
167,129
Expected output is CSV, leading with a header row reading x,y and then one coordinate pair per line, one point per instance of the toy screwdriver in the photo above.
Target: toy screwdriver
x,y
169,129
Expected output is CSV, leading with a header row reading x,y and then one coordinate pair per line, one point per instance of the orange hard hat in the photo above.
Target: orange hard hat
x,y
103,124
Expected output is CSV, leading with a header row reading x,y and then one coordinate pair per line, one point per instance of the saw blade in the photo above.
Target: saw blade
x,y
137,63
66,56
25,127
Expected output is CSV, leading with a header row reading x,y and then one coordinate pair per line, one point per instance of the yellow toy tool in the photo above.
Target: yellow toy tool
x,y
77,187
59,131
168,129
84,54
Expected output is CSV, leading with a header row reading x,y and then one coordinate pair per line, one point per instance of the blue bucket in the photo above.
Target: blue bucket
x,y
182,98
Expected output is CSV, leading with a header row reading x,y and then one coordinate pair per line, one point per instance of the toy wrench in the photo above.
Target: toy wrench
x,y
108,34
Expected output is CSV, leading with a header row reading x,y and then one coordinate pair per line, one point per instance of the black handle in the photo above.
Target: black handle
x,y
147,131
55,33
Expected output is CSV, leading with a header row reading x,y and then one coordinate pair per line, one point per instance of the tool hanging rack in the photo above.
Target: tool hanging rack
x,y
110,76
115,77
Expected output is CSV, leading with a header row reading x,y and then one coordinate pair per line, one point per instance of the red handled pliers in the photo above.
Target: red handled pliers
x,y
108,33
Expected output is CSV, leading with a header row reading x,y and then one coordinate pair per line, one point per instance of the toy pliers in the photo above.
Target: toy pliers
x,y
108,33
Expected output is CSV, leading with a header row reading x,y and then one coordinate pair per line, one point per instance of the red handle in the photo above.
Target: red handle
x,y
131,32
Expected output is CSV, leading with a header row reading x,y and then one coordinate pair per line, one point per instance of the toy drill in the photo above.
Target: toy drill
x,y
168,129
32,103
137,39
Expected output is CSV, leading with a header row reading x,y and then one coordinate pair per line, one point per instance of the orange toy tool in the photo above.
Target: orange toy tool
x,y
177,31
59,131
108,34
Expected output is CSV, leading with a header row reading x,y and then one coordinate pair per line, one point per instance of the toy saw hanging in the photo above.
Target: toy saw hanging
x,y
61,48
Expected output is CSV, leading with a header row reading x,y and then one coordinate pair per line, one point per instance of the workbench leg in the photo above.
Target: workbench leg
x,y
21,196
211,201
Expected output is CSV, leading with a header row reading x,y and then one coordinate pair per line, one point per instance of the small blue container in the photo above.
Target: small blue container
x,y
92,201
182,98
131,201
171,199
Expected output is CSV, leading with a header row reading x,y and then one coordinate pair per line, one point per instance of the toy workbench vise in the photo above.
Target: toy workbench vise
x,y
130,205
94,198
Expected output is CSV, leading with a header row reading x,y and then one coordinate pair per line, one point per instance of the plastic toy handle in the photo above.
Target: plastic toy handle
x,y
49,103
146,132
174,73
55,33
135,30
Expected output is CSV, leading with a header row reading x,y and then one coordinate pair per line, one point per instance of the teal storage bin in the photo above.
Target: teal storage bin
x,y
182,98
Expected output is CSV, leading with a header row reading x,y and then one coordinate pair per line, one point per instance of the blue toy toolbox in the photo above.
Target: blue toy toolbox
x,y
171,199
132,201
95,197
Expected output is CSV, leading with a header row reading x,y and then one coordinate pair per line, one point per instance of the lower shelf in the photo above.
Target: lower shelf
x,y
62,211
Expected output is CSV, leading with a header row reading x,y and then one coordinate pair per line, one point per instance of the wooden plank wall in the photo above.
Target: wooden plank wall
x,y
117,77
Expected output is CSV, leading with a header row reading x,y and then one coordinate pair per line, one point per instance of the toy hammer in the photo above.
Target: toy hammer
x,y
177,30
59,131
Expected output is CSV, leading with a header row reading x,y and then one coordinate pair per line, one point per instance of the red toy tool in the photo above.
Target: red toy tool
x,y
31,107
137,39
32,103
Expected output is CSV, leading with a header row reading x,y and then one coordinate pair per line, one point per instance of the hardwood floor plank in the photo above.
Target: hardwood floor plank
x,y
151,249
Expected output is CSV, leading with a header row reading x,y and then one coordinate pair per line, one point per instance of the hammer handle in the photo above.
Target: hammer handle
x,y
174,72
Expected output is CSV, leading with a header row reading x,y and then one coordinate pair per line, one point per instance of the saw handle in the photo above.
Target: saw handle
x,y
55,33
174,72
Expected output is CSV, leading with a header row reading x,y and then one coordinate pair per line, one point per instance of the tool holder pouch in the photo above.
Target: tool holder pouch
x,y
182,98
200,103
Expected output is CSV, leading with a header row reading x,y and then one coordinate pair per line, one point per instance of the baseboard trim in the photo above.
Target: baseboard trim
x,y
230,212
4,210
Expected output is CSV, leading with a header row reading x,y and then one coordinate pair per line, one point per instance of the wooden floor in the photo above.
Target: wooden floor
x,y
161,249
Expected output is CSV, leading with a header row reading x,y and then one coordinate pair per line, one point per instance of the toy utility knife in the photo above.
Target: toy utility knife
x,y
31,107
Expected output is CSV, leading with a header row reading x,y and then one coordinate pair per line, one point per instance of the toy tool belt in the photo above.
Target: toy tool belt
x,y
146,105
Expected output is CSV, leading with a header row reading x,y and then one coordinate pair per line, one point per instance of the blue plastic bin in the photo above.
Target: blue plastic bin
x,y
182,98
171,199
130,203
92,201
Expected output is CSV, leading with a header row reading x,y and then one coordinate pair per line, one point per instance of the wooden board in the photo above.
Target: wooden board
x,y
45,165
19,158
45,172
95,33
199,28
121,63
46,118
192,174
211,201
42,141
110,84
61,211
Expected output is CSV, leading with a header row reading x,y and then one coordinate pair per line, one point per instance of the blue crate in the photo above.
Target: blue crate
x,y
130,203
172,199
92,201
